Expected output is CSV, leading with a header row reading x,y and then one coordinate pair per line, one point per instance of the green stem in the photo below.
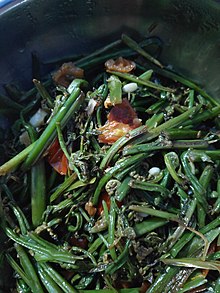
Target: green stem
x,y
73,103
48,282
154,212
149,187
13,163
108,175
29,269
149,225
134,45
139,81
62,187
38,192
111,229
61,282
43,92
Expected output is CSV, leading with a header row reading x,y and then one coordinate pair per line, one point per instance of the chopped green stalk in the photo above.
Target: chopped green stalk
x,y
120,143
64,186
180,230
191,98
142,134
73,103
172,162
154,121
29,269
38,192
176,77
146,75
23,223
193,263
115,88
61,282
204,179
14,162
123,189
149,225
153,212
156,107
19,271
177,121
98,52
118,167
149,187
201,117
182,134
43,92
198,189
193,283
111,229
133,78
166,145
120,261
216,206
42,253
48,282
133,45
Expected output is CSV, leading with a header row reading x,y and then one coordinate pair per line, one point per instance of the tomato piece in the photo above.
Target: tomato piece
x,y
112,131
57,158
121,119
66,73
106,197
122,113
120,65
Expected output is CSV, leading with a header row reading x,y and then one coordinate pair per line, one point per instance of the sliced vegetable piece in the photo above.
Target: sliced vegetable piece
x,y
121,65
57,158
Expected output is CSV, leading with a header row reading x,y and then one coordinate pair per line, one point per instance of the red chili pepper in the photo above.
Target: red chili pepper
x,y
57,158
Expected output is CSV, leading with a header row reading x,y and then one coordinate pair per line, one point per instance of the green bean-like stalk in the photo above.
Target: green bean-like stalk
x,y
38,192
73,102
134,45
153,212
43,92
58,279
139,81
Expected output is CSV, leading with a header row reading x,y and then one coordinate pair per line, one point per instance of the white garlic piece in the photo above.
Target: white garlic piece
x,y
154,171
130,87
38,118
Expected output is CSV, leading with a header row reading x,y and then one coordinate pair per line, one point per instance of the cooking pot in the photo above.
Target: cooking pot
x,y
189,31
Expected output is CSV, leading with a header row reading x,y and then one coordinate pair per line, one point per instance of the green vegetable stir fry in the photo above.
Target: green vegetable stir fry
x,y
110,179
